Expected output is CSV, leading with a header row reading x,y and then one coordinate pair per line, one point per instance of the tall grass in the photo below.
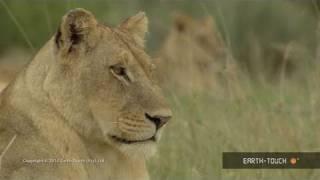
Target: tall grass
x,y
205,126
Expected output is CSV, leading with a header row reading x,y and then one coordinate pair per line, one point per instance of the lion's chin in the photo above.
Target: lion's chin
x,y
139,151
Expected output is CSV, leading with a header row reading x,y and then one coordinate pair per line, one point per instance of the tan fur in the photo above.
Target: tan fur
x,y
2,85
73,97
194,56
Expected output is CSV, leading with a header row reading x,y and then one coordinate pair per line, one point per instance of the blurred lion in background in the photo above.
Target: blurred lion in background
x,y
194,57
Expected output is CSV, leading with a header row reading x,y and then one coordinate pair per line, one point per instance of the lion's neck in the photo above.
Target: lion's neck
x,y
116,165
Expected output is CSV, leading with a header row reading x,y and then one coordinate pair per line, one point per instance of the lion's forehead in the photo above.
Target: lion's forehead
x,y
128,45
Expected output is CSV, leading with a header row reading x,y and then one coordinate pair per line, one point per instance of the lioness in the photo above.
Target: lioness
x,y
194,57
87,95
193,54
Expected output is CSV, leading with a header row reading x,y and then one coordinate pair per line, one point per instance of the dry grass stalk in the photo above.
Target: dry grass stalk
x,y
7,148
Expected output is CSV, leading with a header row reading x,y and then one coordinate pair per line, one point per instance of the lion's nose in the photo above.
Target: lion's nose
x,y
159,119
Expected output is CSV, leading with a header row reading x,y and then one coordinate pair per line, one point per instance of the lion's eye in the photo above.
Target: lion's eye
x,y
120,71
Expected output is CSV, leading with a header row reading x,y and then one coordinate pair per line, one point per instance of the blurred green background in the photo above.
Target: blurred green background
x,y
275,115
29,24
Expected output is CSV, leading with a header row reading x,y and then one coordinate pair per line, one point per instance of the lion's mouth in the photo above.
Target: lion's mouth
x,y
126,141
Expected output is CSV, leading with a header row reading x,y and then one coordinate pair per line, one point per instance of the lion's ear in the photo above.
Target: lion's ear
x,y
78,30
137,25
181,22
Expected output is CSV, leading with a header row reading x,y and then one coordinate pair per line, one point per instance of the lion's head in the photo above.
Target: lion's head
x,y
202,33
101,82
195,46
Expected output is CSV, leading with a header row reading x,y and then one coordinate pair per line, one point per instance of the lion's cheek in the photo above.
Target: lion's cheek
x,y
105,117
